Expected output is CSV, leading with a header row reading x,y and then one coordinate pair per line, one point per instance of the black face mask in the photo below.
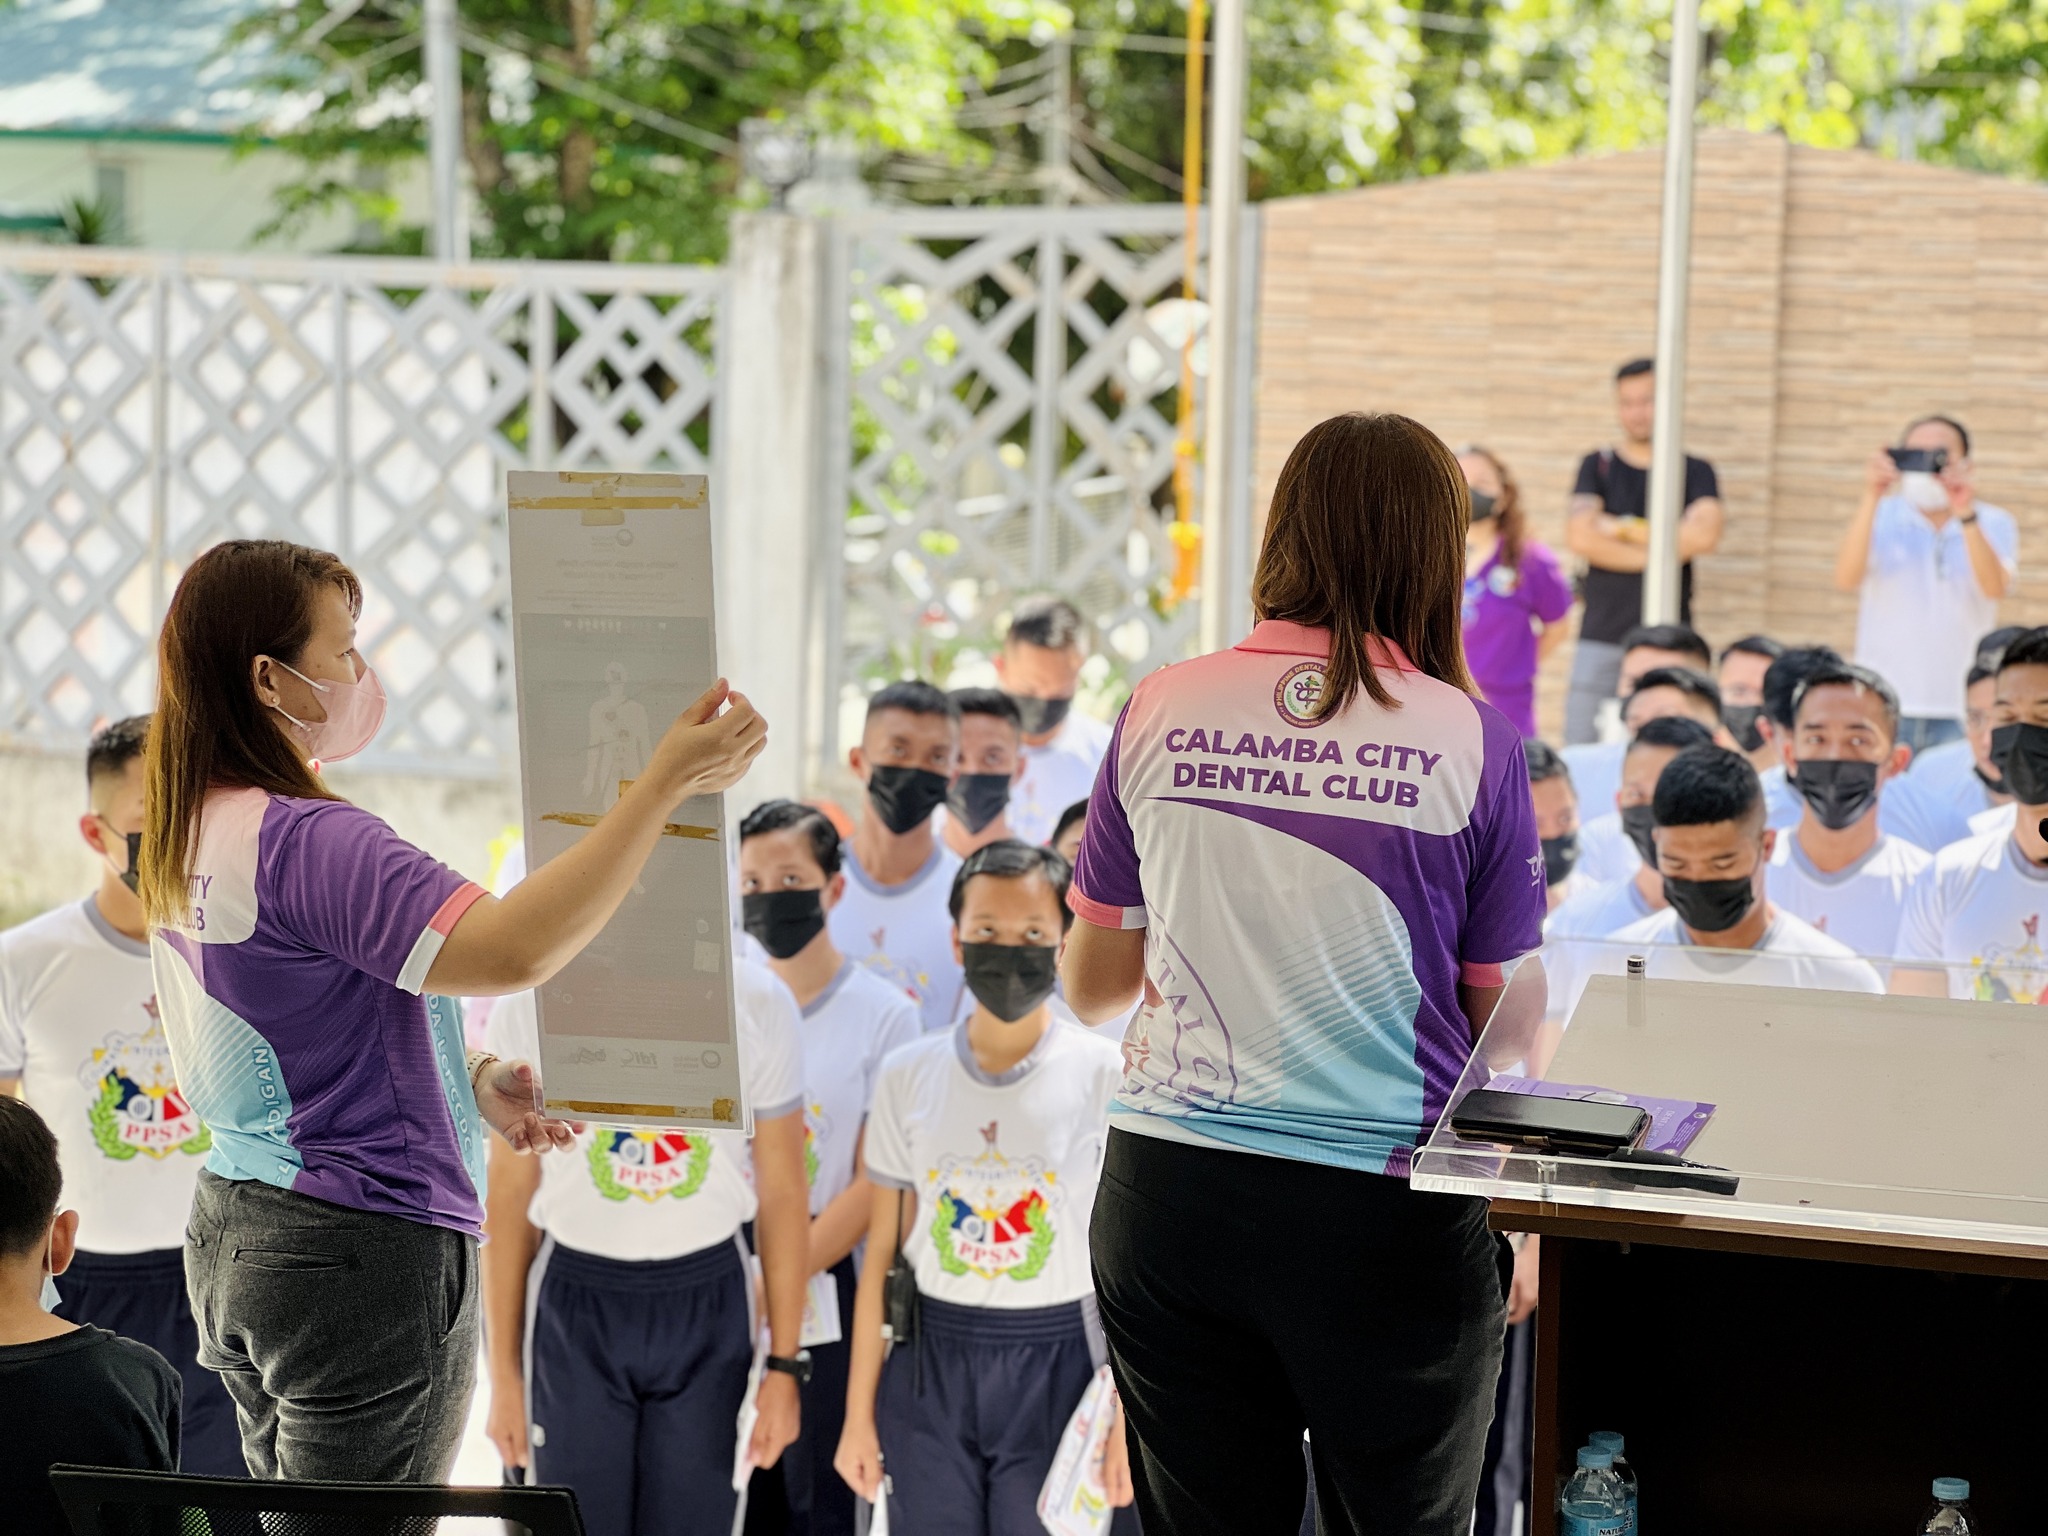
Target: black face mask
x,y
1041,715
1710,906
1483,505
2021,754
1636,821
1010,980
904,798
1840,792
1559,855
132,875
1993,782
1741,720
976,799
783,922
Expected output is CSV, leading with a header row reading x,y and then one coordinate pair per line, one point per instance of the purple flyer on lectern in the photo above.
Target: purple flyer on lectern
x,y
1674,1123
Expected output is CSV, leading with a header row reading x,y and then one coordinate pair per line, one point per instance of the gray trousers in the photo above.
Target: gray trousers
x,y
1596,673
347,1339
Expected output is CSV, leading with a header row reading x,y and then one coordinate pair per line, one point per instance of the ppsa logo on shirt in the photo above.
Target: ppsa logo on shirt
x,y
1298,692
138,1110
649,1165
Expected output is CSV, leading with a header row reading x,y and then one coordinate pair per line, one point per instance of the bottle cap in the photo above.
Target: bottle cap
x,y
1595,1459
1950,1488
1609,1440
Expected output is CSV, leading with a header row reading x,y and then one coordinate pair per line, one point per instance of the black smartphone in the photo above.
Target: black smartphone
x,y
1929,461
1573,1126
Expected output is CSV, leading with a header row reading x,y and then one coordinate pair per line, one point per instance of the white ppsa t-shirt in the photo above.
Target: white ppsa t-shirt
x,y
848,1029
1002,1169
1977,911
904,933
629,1192
1859,905
1059,774
1790,954
79,1027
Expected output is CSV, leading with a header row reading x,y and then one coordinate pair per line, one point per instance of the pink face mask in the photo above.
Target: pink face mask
x,y
354,711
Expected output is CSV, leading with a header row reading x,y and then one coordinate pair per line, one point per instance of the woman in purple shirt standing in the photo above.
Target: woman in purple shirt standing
x,y
1516,595
301,951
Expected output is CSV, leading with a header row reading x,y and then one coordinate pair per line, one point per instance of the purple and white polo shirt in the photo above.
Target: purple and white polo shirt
x,y
290,999
1312,892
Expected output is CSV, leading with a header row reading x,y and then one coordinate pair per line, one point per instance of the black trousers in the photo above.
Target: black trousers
x,y
1246,1298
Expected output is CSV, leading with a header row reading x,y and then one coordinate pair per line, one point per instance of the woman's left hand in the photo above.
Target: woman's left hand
x,y
1116,1462
506,1095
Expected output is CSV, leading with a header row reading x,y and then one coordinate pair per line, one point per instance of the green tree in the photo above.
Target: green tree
x,y
602,129
1987,80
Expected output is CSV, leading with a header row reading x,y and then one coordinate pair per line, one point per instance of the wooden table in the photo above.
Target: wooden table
x,y
1787,1379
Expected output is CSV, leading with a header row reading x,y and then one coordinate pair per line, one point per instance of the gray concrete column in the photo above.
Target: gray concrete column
x,y
766,519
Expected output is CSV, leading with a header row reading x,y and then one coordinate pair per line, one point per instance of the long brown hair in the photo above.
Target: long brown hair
x,y
240,600
1366,536
1509,521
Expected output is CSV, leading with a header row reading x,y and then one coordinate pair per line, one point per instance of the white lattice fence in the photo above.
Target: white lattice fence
x,y
1008,399
152,406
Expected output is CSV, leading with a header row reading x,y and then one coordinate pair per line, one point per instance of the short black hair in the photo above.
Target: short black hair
x,y
1694,685
988,701
1781,683
1754,645
1848,675
1990,651
1682,638
1545,762
113,747
914,696
1013,859
1048,622
1962,432
2030,650
1634,368
794,815
1078,811
1675,731
1705,785
30,1181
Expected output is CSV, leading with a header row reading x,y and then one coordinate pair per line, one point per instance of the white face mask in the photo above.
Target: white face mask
x,y
1925,491
51,1300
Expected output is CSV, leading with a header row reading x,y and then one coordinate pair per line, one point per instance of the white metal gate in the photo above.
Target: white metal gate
x,y
151,405
1006,395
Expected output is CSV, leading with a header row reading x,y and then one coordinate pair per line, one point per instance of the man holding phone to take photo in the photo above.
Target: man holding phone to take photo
x,y
1931,562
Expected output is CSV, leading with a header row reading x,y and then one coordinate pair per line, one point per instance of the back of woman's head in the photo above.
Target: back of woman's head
x,y
1366,536
238,601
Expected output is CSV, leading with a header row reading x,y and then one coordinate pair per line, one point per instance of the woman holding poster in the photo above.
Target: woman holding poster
x,y
331,1254
1315,857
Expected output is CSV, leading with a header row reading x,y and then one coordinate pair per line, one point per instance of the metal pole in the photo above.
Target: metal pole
x,y
1674,289
444,132
1220,469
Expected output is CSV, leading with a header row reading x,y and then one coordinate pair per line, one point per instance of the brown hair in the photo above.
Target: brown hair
x,y
1366,536
1508,519
240,600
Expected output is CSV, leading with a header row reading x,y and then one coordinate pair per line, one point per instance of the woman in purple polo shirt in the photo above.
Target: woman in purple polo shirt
x,y
331,1253
1314,857
1516,595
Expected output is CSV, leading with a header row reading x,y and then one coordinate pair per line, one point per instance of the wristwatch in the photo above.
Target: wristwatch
x,y
1970,518
797,1365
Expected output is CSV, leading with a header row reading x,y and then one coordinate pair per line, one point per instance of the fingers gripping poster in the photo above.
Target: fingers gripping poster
x,y
612,639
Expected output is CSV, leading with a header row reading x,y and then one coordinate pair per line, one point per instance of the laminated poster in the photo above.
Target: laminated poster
x,y
612,637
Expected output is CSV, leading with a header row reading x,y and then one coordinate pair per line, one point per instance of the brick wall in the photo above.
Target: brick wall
x,y
1836,294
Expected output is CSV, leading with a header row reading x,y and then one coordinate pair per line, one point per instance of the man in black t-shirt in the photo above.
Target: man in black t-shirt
x,y
1609,530
72,1394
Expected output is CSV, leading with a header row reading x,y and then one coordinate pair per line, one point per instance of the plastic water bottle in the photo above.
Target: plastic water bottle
x,y
1592,1503
1950,1515
1610,1441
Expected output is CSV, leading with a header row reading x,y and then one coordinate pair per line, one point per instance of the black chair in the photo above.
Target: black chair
x,y
99,1502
